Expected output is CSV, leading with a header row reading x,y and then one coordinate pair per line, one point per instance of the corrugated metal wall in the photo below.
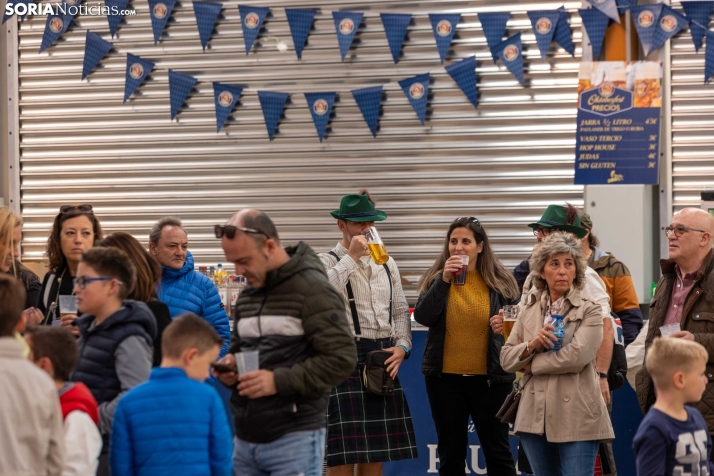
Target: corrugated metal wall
x,y
503,162
692,123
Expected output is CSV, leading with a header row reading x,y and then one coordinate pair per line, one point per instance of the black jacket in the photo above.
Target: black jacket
x,y
297,323
31,283
430,311
163,318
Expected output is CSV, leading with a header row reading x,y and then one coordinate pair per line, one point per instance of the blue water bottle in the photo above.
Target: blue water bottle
x,y
559,331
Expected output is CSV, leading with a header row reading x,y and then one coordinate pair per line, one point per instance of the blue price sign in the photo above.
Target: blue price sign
x,y
618,124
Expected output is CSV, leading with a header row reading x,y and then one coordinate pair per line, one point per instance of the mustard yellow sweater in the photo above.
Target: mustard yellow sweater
x,y
468,310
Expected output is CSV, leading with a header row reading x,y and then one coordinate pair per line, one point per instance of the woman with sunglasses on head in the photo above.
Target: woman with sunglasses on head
x,y
74,230
148,279
461,357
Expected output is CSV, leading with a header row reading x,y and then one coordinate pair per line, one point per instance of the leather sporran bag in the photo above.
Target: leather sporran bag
x,y
375,376
508,411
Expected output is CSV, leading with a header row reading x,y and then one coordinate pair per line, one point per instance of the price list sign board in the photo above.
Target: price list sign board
x,y
618,127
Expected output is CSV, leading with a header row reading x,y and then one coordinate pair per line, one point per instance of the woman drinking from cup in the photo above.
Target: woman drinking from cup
x,y
562,415
74,230
461,358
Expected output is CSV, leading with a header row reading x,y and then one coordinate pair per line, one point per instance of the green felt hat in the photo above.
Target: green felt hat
x,y
358,208
555,217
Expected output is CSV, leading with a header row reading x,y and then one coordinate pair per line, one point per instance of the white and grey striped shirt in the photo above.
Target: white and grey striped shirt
x,y
370,286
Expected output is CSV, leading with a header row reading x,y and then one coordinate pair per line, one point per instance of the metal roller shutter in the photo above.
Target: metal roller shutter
x,y
503,162
692,123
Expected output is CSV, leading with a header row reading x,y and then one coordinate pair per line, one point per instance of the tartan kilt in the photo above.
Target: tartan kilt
x,y
367,428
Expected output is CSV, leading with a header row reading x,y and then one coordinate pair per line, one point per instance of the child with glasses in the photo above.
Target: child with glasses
x,y
116,334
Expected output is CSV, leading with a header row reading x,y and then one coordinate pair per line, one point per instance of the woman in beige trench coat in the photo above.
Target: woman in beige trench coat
x,y
562,416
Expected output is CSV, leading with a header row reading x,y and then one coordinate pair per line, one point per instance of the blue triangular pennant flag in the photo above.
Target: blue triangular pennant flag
x,y
160,11
368,100
709,56
251,19
95,48
625,3
5,16
670,23
544,23
346,25
511,53
608,7
494,28
395,26
444,27
563,36
180,86
300,22
225,97
464,73
416,89
206,17
72,3
595,23
272,104
646,18
320,105
114,15
698,12
56,26
137,69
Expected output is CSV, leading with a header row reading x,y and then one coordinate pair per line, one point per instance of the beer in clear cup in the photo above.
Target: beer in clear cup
x,y
460,275
375,246
510,313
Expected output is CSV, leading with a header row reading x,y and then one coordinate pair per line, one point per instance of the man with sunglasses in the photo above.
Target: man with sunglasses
x,y
684,297
295,319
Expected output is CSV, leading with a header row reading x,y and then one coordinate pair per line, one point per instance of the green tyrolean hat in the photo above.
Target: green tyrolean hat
x,y
358,208
555,217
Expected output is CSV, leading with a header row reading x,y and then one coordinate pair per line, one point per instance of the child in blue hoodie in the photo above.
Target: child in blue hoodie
x,y
175,424
116,335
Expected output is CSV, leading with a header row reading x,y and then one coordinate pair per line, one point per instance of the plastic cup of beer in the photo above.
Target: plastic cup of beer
x,y
510,314
247,361
67,305
375,246
460,275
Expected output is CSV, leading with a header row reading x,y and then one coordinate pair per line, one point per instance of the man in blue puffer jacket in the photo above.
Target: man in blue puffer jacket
x,y
183,289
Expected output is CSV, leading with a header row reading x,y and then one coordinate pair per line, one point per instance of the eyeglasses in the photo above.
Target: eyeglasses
x,y
541,229
679,230
473,220
64,209
82,281
229,231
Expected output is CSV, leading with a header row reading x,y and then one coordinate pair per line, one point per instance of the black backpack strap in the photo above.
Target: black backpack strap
x,y
391,292
353,305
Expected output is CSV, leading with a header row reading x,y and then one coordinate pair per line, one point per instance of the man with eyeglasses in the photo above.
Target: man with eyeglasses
x,y
296,321
684,298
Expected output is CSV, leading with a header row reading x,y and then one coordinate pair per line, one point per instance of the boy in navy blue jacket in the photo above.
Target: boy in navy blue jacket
x,y
174,424
673,439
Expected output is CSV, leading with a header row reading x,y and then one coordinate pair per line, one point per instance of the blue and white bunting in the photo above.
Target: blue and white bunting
x,y
698,12
670,23
443,25
225,97
416,90
300,22
95,49
251,20
137,69
346,25
544,23
563,36
272,103
180,86
206,16
160,11
56,26
510,52
625,3
595,23
368,100
646,18
114,14
464,74
608,7
320,105
395,26
5,16
494,28
709,56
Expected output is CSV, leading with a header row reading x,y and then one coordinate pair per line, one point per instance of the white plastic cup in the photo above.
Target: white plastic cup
x,y
247,361
670,329
68,305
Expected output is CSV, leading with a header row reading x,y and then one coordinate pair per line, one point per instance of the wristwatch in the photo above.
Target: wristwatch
x,y
602,374
407,351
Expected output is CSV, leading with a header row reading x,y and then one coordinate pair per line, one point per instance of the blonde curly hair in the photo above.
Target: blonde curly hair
x,y
558,242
